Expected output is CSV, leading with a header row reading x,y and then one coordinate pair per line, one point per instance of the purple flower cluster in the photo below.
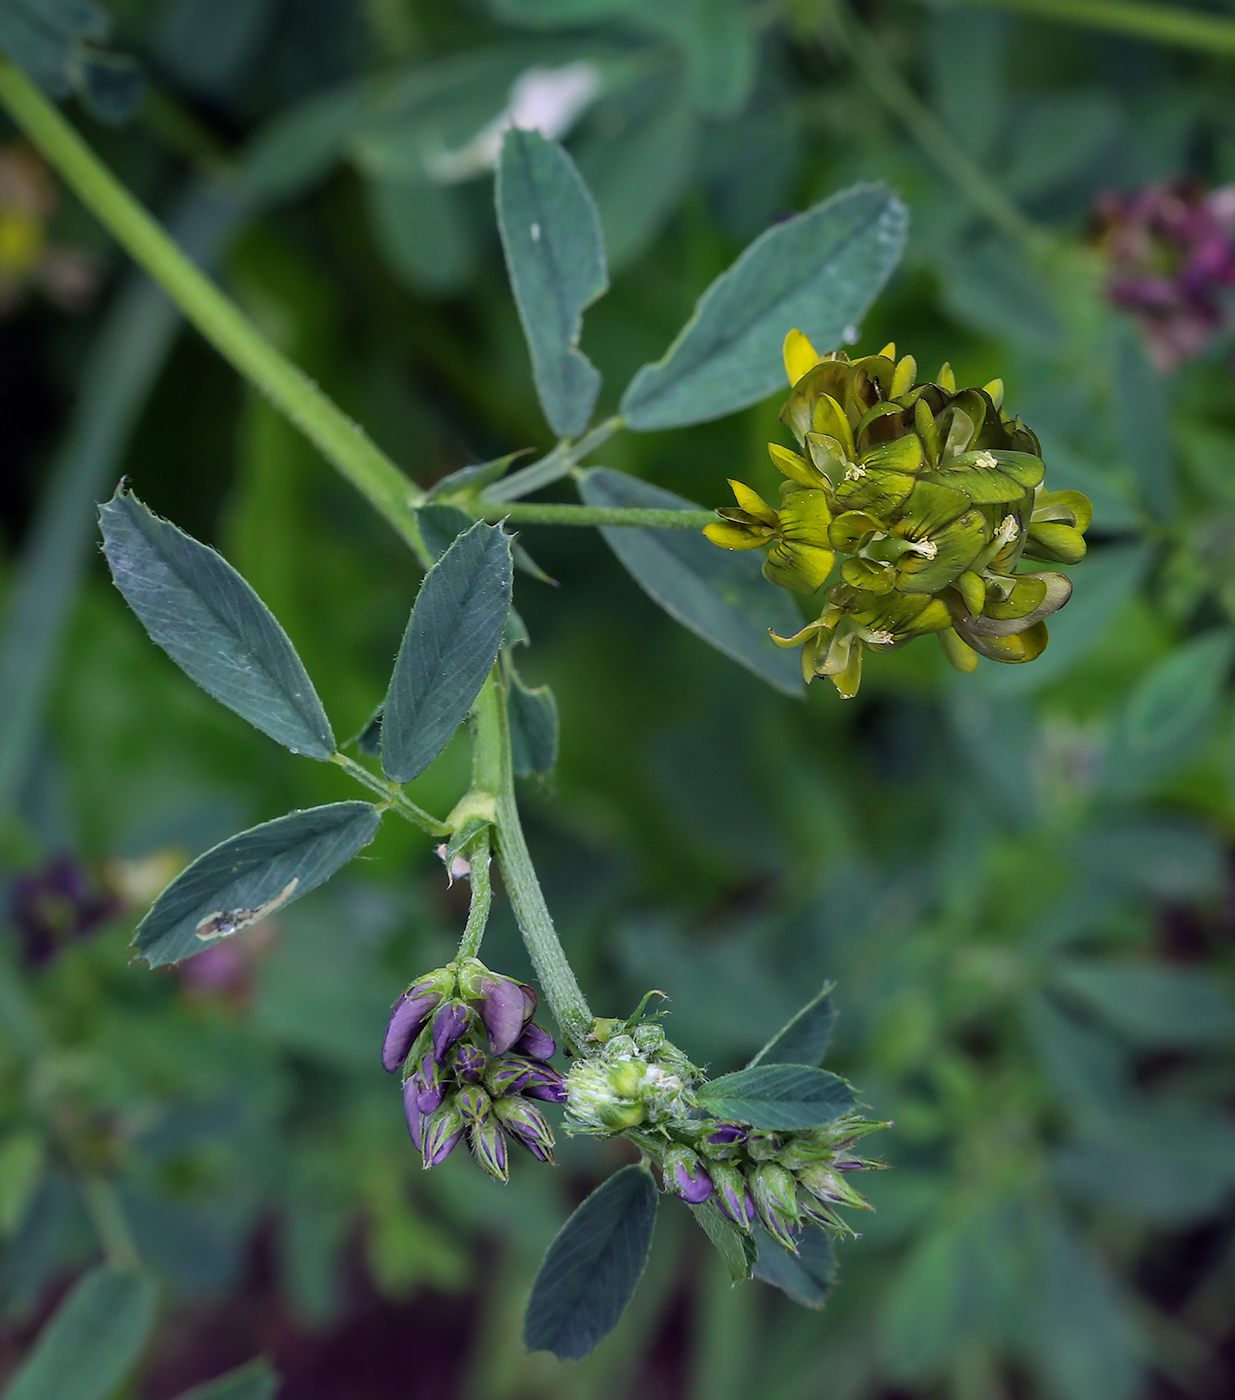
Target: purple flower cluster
x,y
1171,249
473,1059
54,906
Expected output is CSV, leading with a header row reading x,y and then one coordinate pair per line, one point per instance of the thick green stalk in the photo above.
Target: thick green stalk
x,y
595,515
341,441
554,972
1166,25
480,880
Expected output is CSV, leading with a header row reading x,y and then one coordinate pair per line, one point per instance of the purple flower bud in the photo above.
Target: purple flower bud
x,y
536,1043
504,1010
407,1020
469,1062
427,1077
775,1195
685,1174
488,1144
528,1126
732,1196
473,1103
411,1110
546,1084
510,1075
448,1025
724,1141
441,1133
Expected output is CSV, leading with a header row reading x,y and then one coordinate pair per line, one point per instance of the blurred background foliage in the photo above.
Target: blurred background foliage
x,y
1022,881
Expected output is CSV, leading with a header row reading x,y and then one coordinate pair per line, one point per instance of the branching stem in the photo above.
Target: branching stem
x,y
554,465
393,794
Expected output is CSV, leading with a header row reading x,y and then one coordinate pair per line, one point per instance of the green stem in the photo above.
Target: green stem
x,y
555,465
595,515
341,441
110,1224
393,794
481,884
554,972
929,132
1187,29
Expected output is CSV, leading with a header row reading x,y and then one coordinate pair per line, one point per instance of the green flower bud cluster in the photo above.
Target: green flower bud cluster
x,y
638,1079
929,497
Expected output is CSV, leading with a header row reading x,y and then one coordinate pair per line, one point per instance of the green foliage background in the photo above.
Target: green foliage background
x,y
1020,880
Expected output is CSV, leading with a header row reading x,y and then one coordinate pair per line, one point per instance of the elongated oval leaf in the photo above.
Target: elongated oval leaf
x,y
806,1276
212,625
1177,697
556,259
451,641
256,1381
720,595
1153,1004
92,1342
532,713
818,272
779,1097
805,1040
592,1267
251,875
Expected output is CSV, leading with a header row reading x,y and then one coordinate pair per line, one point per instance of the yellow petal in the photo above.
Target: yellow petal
x,y
729,536
752,502
889,351
946,379
800,356
803,568
903,378
995,390
959,653
793,466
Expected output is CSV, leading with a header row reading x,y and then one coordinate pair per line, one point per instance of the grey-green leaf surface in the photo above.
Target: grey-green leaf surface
x,y
93,1340
256,1381
212,625
1153,1004
556,260
41,36
451,642
1141,413
734,1246
720,595
532,712
1180,693
818,272
806,1276
805,1039
301,144
591,1268
779,1097
251,875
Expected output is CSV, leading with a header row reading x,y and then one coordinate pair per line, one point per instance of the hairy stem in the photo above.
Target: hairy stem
x,y
555,465
595,515
341,441
554,972
482,895
399,800
1165,24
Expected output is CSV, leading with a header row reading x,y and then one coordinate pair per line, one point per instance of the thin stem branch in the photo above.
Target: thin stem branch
x,y
929,132
1167,25
481,882
555,465
107,1215
393,794
595,515
554,972
341,441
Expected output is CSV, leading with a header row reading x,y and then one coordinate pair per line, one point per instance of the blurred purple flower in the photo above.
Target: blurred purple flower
x,y
55,905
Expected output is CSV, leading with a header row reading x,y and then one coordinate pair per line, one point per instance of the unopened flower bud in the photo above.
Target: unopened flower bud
x,y
802,1152
762,1146
775,1193
508,1075
407,1020
469,1062
685,1174
649,1038
724,1141
473,1103
441,1132
411,1110
621,1047
826,1186
427,1079
536,1043
732,1196
488,1144
528,1126
449,1024
547,1084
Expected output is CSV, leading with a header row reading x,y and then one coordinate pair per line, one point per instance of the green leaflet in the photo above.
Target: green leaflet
x,y
1152,1003
592,1267
93,1340
424,233
807,1276
212,625
818,271
719,595
256,1381
250,875
42,36
556,260
451,641
1141,416
301,144
805,1039
1180,694
532,714
734,1246
779,1097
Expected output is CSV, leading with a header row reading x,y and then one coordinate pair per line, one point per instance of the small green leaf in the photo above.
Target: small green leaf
x,y
719,595
424,232
251,875
93,1340
1153,1004
806,1276
42,37
1179,695
532,712
556,259
779,1097
592,1267
256,1381
451,643
212,625
818,272
302,142
805,1040
735,1247
470,480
